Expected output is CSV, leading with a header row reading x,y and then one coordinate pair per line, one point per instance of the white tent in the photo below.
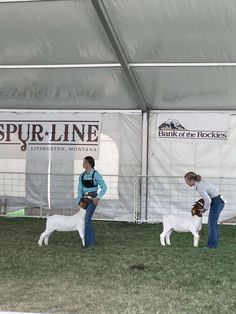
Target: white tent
x,y
137,57
118,54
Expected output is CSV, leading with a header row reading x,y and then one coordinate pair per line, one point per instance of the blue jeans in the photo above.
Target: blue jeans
x,y
89,232
217,205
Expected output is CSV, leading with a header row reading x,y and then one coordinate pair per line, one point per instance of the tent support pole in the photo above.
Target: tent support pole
x,y
144,178
108,27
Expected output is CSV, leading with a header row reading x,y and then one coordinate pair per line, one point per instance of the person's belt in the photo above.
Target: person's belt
x,y
216,197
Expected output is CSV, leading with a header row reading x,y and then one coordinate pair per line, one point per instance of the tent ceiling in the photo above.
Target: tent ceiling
x,y
202,88
175,31
65,89
70,32
51,32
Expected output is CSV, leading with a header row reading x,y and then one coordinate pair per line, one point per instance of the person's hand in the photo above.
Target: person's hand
x,y
95,200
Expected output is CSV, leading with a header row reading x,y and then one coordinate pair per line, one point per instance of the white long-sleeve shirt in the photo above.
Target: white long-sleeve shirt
x,y
207,191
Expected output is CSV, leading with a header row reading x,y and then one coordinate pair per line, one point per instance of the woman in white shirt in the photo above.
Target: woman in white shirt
x,y
213,202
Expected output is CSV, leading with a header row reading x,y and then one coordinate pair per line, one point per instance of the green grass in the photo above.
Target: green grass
x,y
64,278
17,213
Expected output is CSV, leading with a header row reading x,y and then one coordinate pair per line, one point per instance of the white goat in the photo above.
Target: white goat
x,y
64,223
171,223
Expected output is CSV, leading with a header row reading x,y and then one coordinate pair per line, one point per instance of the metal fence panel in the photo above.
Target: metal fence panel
x,y
44,194
128,198
170,195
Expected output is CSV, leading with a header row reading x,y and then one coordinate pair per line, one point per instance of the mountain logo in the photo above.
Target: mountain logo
x,y
171,124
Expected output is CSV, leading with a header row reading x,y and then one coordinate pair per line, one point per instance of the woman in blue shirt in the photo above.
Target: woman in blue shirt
x,y
89,181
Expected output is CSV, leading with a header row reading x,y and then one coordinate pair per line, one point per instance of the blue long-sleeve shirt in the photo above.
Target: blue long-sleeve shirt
x,y
98,180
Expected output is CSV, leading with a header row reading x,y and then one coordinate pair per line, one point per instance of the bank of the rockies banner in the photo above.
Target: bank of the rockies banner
x,y
193,126
49,135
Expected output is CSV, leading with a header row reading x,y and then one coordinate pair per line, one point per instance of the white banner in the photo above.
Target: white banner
x,y
49,135
193,126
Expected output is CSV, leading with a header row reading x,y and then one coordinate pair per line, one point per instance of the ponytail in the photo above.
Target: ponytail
x,y
192,176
